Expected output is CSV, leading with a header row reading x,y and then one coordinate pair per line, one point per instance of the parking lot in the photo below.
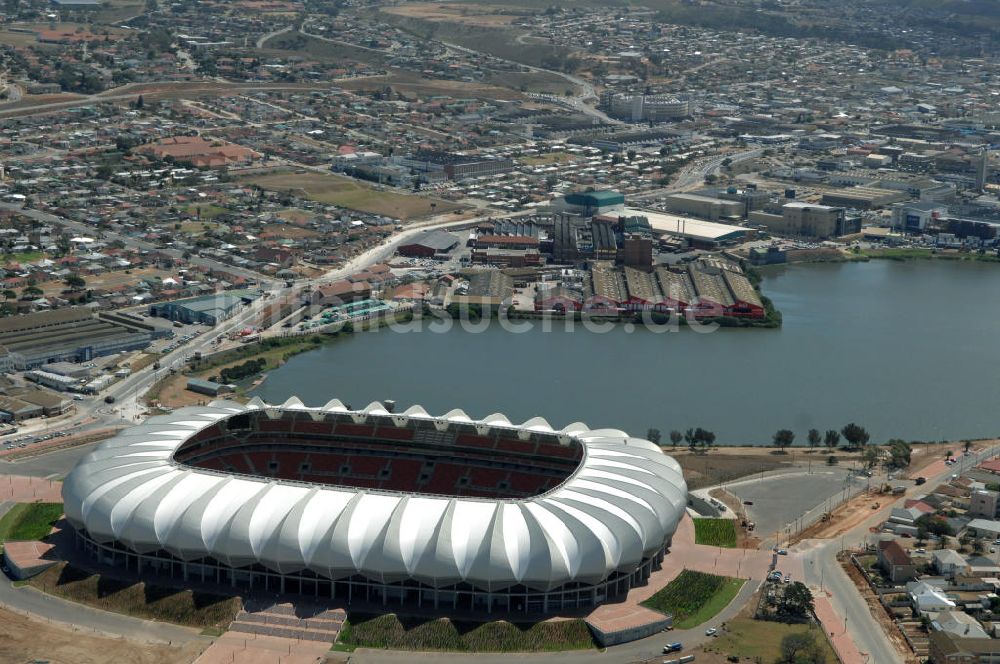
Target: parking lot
x,y
778,500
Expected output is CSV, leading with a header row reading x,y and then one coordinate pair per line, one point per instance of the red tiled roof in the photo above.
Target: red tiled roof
x,y
894,553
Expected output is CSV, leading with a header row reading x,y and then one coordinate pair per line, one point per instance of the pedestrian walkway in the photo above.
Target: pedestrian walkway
x,y
835,628
236,648
685,554
23,489
299,621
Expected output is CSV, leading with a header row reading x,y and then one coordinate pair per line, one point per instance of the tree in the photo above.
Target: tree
x,y
797,601
899,454
653,436
799,648
31,292
9,295
832,438
699,438
676,437
783,438
855,435
870,457
968,445
75,281
814,437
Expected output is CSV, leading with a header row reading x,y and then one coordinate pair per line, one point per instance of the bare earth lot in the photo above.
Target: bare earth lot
x,y
348,193
24,640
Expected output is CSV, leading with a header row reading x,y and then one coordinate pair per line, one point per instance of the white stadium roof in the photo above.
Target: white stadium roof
x,y
617,508
689,227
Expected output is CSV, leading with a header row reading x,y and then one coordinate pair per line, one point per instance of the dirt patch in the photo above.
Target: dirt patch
x,y
486,16
718,466
844,518
25,639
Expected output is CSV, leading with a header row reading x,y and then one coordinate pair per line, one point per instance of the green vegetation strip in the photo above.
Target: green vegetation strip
x,y
758,641
715,532
402,633
29,521
694,597
183,607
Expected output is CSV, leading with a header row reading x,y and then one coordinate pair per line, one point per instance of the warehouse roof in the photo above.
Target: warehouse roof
x,y
688,227
436,240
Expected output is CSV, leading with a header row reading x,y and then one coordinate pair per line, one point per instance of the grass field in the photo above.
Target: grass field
x,y
694,597
761,641
29,521
347,193
392,632
182,607
715,532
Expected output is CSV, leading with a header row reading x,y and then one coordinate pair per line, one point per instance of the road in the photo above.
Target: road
x,y
822,569
693,175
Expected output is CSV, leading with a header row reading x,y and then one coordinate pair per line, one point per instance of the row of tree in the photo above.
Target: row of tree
x,y
854,435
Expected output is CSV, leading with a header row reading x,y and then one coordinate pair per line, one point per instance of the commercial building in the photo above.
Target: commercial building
x,y
454,166
428,245
72,334
705,207
205,310
915,217
645,108
808,220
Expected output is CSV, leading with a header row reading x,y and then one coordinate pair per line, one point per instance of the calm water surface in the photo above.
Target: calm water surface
x,y
908,350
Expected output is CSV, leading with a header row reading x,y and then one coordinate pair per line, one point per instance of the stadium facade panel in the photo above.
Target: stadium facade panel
x,y
407,507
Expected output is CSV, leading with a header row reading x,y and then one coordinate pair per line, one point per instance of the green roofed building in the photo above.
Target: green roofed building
x,y
590,203
206,310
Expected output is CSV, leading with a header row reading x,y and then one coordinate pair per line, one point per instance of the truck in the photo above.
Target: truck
x,y
672,647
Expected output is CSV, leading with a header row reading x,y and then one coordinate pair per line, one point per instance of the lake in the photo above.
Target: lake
x,y
906,349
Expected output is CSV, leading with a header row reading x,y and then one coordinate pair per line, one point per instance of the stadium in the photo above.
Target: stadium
x,y
382,508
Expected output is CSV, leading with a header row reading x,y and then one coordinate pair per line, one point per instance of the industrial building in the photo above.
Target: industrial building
x,y
73,334
428,245
491,288
705,207
915,217
699,233
808,220
863,198
706,288
205,310
578,238
590,203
